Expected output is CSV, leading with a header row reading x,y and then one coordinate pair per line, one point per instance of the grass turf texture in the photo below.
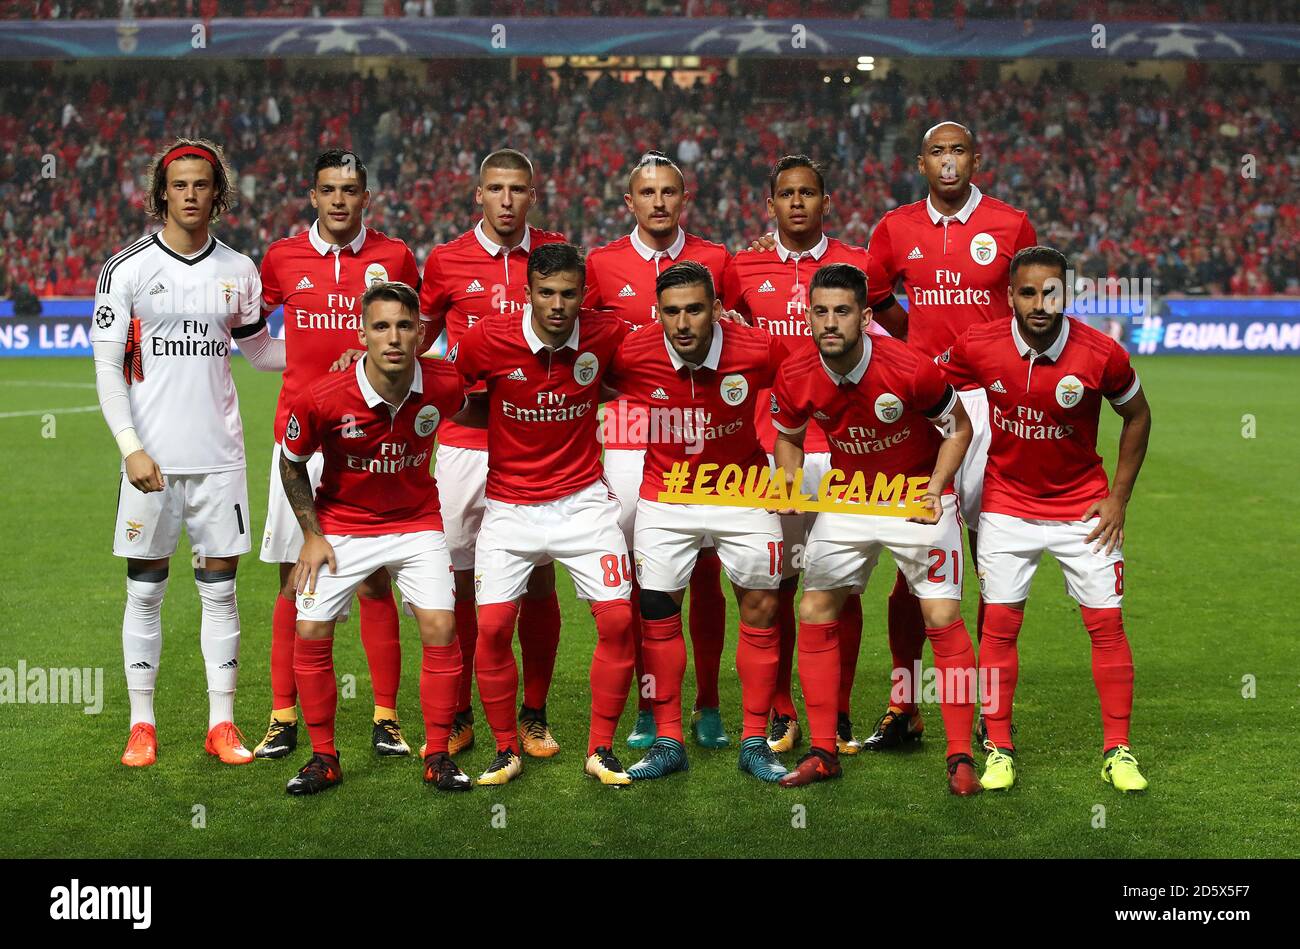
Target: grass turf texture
x,y
1211,542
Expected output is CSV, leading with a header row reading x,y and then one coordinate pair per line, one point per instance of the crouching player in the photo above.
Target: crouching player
x,y
879,402
699,378
547,498
376,507
1045,490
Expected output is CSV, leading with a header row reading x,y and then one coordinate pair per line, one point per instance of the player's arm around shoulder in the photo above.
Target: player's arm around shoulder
x,y
301,440
248,325
1130,403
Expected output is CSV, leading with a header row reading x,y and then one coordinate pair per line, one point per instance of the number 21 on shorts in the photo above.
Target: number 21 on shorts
x,y
938,558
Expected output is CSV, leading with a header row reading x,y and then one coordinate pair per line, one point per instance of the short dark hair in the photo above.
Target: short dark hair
x,y
556,258
1041,255
841,277
338,158
654,159
795,161
394,290
509,158
687,273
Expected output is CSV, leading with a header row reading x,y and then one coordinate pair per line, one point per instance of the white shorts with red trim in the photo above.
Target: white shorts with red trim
x,y
795,527
969,479
624,469
461,474
282,538
579,530
669,538
843,550
1010,548
212,507
418,562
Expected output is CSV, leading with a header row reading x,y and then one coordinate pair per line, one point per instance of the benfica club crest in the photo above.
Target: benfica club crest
x,y
133,529
585,369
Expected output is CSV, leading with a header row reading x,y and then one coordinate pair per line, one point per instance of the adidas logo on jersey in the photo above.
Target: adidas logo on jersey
x,y
916,254
305,284
474,287
354,431
821,416
767,287
998,387
518,376
659,394
627,291
156,289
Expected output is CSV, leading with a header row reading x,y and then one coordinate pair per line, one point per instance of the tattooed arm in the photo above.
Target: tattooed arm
x,y
316,550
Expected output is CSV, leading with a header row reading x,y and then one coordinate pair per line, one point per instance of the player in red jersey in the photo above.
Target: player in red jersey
x,y
952,252
377,506
621,280
880,401
769,287
547,499
1046,490
485,271
319,277
698,378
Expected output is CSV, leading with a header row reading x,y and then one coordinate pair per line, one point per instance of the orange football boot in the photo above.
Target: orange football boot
x,y
141,746
226,742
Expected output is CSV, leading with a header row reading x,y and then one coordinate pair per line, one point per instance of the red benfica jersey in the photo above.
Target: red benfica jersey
x,y
770,289
955,270
320,287
376,478
469,278
879,418
1043,414
621,281
701,414
542,439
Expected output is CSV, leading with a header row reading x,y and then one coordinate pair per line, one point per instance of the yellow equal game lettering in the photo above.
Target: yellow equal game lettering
x,y
856,492
887,491
830,488
729,481
762,476
916,488
702,474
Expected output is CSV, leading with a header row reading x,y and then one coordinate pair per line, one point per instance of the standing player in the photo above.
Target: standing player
x,y
376,507
769,287
621,280
319,276
952,252
1046,490
881,401
485,271
701,375
166,310
546,495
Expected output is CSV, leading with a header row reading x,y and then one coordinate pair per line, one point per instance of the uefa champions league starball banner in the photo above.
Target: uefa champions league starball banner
x,y
660,36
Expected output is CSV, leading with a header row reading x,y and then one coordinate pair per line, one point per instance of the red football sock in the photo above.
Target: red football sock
x,y
611,670
787,630
439,688
379,638
819,674
999,668
954,657
906,643
1112,671
467,636
284,633
664,652
850,642
643,701
539,641
758,654
498,676
313,668
708,618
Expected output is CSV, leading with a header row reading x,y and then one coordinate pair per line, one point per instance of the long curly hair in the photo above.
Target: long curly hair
x,y
223,186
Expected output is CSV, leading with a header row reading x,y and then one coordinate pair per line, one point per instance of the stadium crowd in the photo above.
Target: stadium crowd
x,y
1262,11
1194,187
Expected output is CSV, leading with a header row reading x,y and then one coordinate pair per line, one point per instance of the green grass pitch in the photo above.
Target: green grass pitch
x,y
1212,541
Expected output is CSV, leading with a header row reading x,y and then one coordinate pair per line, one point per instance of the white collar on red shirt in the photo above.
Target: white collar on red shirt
x,y
710,361
647,252
494,248
1053,352
963,215
535,342
855,374
373,398
324,247
815,252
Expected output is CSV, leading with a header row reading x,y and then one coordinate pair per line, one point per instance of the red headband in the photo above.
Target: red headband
x,y
188,151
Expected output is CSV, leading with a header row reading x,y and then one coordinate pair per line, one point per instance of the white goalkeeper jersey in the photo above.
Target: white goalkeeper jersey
x,y
177,315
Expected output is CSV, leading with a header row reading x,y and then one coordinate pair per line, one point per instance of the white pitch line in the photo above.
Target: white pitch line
x,y
69,411
50,385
